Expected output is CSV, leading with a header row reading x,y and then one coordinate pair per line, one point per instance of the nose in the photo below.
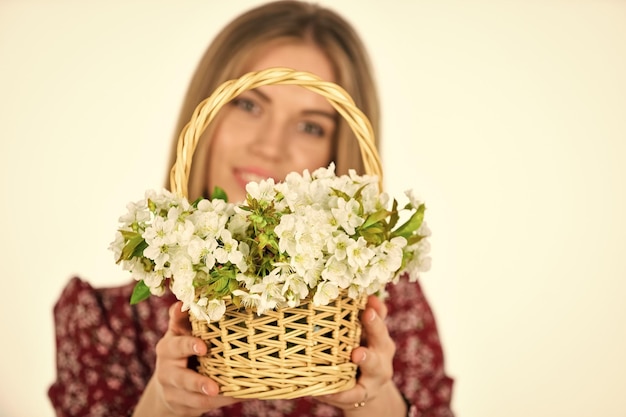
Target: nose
x,y
270,141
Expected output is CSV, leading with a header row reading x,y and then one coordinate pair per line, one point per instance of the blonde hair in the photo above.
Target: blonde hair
x,y
283,20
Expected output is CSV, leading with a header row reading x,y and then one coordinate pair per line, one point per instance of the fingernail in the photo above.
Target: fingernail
x,y
195,348
205,390
363,358
372,316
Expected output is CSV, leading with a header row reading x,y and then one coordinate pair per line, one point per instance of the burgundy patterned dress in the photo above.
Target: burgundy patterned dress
x,y
106,355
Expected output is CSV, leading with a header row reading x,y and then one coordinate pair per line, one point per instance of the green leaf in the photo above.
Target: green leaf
x,y
414,239
258,220
139,249
411,225
264,241
236,300
140,292
232,285
359,191
373,235
129,234
395,216
133,247
375,218
220,286
375,230
219,193
341,194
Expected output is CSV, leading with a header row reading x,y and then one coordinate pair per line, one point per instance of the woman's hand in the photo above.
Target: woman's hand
x,y
175,390
375,393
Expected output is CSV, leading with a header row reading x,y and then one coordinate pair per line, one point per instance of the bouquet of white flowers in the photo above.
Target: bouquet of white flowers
x,y
312,235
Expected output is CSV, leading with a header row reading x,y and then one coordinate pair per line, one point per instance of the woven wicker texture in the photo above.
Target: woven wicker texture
x,y
291,352
287,353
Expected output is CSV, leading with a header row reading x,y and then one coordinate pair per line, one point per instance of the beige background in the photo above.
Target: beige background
x,y
508,118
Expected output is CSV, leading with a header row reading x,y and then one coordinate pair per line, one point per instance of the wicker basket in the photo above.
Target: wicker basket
x,y
291,352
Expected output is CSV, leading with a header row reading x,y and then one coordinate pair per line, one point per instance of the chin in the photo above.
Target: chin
x,y
237,197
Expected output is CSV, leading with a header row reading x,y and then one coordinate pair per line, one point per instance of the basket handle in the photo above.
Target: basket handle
x,y
206,111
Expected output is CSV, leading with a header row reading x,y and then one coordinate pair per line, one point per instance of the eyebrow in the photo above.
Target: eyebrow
x,y
267,99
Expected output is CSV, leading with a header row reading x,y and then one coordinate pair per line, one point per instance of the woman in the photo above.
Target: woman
x,y
114,359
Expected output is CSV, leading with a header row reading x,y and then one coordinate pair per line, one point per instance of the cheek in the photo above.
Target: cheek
x,y
220,147
228,138
314,155
221,137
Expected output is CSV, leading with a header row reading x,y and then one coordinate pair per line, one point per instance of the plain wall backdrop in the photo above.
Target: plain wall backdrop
x,y
507,117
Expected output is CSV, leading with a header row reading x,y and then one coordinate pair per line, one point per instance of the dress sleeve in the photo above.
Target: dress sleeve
x,y
98,371
418,364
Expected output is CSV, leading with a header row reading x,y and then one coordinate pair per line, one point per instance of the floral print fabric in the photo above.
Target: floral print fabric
x,y
105,352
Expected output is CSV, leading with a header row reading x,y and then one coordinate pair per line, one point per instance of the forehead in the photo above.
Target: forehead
x,y
298,55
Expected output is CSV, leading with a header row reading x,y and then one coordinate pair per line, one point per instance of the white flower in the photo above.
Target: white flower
x,y
355,291
286,232
424,230
208,223
313,275
270,290
227,251
325,173
217,206
372,200
294,287
117,245
137,268
303,261
358,253
238,224
325,292
390,256
161,232
159,254
244,250
154,280
364,277
347,215
262,191
184,292
201,251
248,300
184,232
415,202
247,280
338,244
312,230
336,270
137,213
215,309
182,268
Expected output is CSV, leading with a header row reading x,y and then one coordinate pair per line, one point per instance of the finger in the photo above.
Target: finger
x,y
375,302
348,399
193,404
188,381
376,332
180,347
376,367
179,323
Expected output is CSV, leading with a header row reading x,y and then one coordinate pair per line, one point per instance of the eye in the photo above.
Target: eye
x,y
311,129
247,105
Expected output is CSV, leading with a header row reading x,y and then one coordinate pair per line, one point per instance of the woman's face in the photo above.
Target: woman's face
x,y
273,130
